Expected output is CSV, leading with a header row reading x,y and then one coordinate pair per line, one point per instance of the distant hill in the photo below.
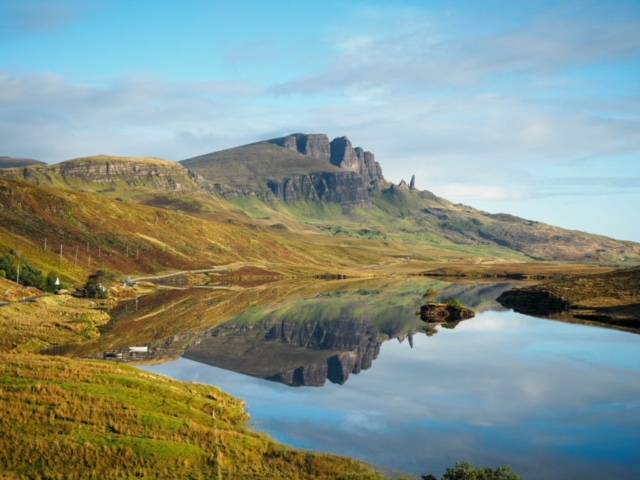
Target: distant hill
x,y
11,162
106,173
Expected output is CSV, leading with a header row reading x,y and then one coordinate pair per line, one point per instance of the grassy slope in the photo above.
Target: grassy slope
x,y
420,220
49,321
118,422
254,164
130,237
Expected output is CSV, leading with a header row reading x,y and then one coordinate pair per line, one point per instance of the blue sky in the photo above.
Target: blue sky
x,y
531,108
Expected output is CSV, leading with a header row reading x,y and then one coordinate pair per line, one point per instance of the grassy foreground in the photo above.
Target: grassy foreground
x,y
65,418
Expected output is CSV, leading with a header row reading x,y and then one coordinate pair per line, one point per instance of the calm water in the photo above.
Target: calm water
x,y
554,400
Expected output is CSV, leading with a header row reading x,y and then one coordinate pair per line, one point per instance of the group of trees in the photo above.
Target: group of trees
x,y
18,268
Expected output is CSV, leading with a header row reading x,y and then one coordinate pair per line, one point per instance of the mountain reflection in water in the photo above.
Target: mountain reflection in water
x,y
330,336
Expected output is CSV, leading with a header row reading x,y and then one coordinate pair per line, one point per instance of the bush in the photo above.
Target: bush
x,y
3,274
99,283
465,471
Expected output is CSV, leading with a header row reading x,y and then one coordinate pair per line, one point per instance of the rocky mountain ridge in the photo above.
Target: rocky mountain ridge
x,y
335,171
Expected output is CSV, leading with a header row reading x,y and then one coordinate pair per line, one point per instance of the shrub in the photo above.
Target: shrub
x,y
99,283
3,274
465,471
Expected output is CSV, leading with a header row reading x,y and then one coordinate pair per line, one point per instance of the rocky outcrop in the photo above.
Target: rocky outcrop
x,y
444,313
340,153
340,187
315,145
153,173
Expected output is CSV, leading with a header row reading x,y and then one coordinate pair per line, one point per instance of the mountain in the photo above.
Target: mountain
x,y
308,173
293,168
11,162
299,202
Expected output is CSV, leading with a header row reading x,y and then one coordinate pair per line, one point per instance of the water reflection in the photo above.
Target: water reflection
x,y
554,400
331,335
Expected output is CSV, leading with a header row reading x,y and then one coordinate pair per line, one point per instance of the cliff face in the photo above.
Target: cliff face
x,y
104,170
340,187
339,152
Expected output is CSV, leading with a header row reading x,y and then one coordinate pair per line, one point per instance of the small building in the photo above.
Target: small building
x,y
144,349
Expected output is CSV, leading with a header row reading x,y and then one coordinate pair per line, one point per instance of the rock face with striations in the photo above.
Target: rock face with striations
x,y
359,177
103,170
342,187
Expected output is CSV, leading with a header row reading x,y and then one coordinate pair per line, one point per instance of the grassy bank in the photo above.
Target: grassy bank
x,y
117,422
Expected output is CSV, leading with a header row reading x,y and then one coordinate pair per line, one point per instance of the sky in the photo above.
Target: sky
x,y
530,108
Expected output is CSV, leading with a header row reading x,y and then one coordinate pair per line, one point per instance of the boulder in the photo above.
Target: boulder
x,y
444,313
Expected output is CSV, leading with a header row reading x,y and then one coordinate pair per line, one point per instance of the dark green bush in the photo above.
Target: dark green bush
x,y
99,283
465,471
30,276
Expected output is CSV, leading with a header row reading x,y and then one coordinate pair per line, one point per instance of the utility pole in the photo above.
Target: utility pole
x,y
75,259
60,254
18,270
45,244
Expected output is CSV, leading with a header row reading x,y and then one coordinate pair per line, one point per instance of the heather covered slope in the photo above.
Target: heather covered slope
x,y
118,422
84,232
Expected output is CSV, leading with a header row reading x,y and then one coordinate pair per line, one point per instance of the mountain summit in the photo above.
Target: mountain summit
x,y
293,168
